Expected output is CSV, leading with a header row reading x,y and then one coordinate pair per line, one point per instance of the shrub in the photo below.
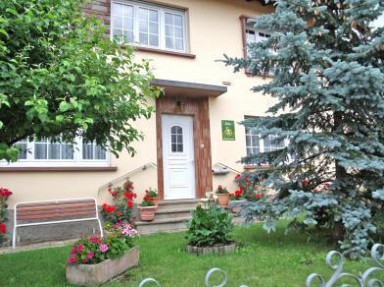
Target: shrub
x,y
122,208
4,195
209,227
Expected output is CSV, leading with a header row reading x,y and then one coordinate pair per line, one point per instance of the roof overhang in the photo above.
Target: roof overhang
x,y
187,89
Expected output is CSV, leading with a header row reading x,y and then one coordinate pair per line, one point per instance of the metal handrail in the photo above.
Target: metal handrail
x,y
141,168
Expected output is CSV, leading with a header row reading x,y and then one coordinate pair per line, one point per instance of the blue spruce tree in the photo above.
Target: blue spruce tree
x,y
328,77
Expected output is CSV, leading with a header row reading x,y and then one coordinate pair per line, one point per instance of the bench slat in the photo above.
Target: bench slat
x,y
55,206
55,210
57,215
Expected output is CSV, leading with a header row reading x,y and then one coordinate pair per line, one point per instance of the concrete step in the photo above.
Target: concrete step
x,y
178,203
168,213
162,225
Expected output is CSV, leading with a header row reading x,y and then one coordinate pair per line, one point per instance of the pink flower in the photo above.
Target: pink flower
x,y
73,251
72,260
90,255
85,261
103,247
80,248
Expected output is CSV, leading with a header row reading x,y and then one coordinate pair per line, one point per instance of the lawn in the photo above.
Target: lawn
x,y
266,260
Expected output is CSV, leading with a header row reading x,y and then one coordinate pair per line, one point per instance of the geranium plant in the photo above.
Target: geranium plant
x,y
147,201
4,196
151,193
95,249
122,208
221,190
237,195
250,186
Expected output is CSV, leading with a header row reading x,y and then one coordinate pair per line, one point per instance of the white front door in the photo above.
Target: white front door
x,y
178,157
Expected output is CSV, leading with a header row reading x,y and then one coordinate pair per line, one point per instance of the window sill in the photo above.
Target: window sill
x,y
249,167
165,52
59,169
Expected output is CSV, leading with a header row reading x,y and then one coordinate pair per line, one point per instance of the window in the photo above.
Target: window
x,y
177,139
149,25
253,35
255,144
48,153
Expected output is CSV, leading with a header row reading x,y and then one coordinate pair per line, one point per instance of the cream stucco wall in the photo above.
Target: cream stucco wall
x,y
214,30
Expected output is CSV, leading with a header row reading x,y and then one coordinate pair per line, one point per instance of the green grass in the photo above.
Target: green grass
x,y
266,260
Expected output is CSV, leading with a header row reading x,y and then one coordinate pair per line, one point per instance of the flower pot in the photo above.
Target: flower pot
x,y
156,200
236,205
147,213
95,274
223,198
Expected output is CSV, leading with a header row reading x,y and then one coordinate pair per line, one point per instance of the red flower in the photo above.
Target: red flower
x,y
238,176
118,213
130,195
108,208
249,183
5,192
246,178
3,227
238,193
109,189
258,195
72,260
115,193
130,203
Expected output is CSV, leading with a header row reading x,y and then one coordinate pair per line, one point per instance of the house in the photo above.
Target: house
x,y
195,129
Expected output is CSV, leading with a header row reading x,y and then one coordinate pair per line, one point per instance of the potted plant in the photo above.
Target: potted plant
x,y
147,209
94,260
237,200
222,195
209,231
153,194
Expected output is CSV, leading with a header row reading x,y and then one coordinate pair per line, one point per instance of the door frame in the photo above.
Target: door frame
x,y
198,108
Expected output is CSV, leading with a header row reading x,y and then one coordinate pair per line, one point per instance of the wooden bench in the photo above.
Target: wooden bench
x,y
35,213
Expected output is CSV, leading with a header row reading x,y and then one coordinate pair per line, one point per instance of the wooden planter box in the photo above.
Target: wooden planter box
x,y
94,274
220,249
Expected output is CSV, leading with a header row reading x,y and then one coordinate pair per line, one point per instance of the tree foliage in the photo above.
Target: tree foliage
x,y
328,77
60,76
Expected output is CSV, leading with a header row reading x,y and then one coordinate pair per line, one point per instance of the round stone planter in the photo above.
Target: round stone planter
x,y
236,205
219,249
95,274
147,213
223,199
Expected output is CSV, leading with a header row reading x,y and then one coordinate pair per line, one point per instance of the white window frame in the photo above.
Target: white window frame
x,y
77,160
161,10
248,132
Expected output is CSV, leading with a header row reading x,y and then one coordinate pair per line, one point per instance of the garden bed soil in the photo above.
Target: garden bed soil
x,y
218,248
94,274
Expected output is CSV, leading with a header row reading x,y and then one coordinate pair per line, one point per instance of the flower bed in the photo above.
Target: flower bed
x,y
95,259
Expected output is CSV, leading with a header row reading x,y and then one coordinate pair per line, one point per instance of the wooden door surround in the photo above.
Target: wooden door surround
x,y
199,109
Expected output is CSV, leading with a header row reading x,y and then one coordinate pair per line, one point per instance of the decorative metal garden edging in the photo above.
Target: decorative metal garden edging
x,y
377,255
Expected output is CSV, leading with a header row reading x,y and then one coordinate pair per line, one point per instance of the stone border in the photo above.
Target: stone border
x,y
220,250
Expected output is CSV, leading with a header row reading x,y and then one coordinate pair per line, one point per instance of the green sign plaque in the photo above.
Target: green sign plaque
x,y
228,130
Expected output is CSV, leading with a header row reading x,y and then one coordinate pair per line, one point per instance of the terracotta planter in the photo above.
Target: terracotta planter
x,y
147,213
223,198
236,205
156,200
95,274
220,249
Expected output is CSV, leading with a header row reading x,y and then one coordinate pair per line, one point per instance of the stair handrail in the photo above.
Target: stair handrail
x,y
126,175
227,166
